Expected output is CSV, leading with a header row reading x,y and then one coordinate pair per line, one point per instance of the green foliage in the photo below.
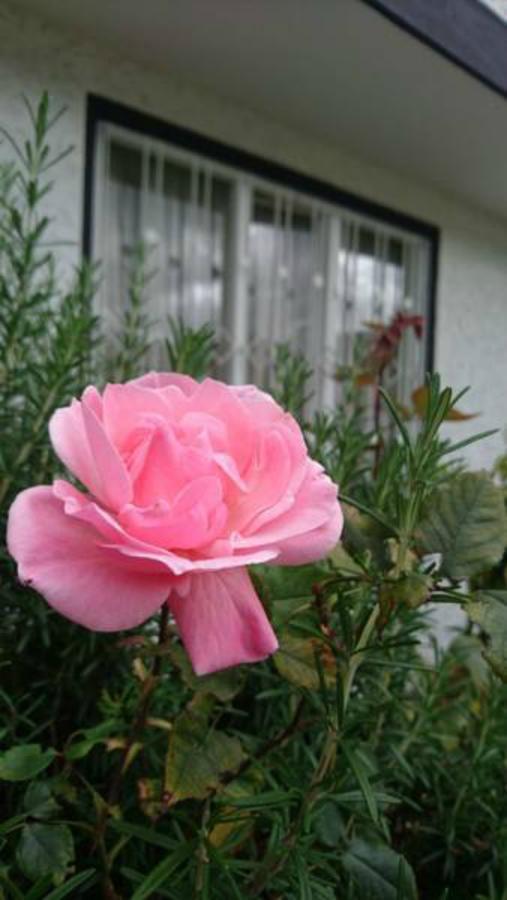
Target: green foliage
x,y
489,610
379,872
292,376
24,761
349,764
467,524
133,340
46,330
189,350
45,849
197,756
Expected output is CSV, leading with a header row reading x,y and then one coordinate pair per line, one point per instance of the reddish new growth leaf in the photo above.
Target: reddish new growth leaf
x,y
387,342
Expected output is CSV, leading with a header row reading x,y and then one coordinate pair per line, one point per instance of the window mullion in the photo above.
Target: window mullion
x,y
237,278
331,309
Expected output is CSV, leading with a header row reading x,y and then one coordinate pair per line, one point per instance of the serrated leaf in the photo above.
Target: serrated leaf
x,y
467,650
197,757
467,524
342,561
45,849
329,825
411,590
24,762
489,610
295,661
378,870
222,685
39,801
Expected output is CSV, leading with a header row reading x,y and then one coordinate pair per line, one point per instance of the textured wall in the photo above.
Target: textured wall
x,y
472,289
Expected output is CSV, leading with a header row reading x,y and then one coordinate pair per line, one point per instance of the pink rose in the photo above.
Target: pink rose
x,y
187,484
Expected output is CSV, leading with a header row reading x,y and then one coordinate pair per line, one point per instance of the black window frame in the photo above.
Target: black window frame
x,y
100,109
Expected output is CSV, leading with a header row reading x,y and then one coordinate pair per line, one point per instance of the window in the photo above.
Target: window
x,y
263,259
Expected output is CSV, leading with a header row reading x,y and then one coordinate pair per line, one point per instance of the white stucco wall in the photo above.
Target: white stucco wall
x,y
471,343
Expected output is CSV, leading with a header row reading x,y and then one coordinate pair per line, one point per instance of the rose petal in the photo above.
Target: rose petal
x,y
314,507
112,536
80,441
111,478
313,545
128,407
222,621
160,380
63,559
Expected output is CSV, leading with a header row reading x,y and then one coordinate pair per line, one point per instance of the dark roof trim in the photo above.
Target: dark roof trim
x,y
466,32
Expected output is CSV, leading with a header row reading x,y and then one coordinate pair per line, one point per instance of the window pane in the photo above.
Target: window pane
x,y
261,263
285,280
180,211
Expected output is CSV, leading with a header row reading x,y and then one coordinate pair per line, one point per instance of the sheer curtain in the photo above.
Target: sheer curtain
x,y
180,212
261,263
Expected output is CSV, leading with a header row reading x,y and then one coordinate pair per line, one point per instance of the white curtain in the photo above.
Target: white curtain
x,y
314,276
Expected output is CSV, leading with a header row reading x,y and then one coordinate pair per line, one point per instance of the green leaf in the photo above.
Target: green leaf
x,y
378,870
467,524
24,762
489,610
161,873
90,737
222,685
197,756
329,825
295,661
65,890
467,651
45,850
342,561
40,888
39,801
11,824
141,833
411,590
391,405
263,800
360,771
363,534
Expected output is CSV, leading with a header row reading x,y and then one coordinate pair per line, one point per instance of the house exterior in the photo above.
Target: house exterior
x,y
297,170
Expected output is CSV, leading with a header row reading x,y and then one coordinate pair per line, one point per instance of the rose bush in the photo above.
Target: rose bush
x,y
187,484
